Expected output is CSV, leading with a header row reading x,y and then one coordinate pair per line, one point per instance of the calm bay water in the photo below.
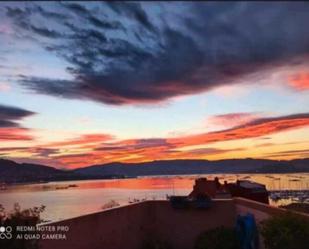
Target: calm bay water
x,y
85,197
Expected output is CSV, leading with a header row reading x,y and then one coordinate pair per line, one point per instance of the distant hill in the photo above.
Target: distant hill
x,y
12,172
177,167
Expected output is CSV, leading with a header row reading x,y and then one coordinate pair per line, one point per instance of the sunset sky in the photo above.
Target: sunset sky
x,y
92,83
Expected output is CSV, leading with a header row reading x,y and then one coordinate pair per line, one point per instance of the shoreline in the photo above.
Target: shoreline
x,y
140,177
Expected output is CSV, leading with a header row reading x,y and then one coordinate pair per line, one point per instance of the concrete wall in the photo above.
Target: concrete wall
x,y
260,211
111,229
182,227
127,227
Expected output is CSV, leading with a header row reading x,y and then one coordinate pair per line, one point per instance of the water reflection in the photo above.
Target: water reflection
x,y
69,199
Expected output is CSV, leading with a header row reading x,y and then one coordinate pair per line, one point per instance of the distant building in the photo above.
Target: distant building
x,y
248,189
214,189
203,186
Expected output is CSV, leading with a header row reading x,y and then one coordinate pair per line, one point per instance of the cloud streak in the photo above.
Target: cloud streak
x,y
86,139
15,134
256,128
103,148
232,119
10,115
10,129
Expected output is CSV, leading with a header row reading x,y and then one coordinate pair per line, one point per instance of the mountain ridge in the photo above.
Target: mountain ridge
x,y
12,172
198,166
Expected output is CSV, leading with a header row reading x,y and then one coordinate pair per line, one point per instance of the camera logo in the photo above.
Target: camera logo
x,y
5,232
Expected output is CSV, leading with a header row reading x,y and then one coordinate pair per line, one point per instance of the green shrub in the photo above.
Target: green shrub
x,y
286,231
20,217
218,238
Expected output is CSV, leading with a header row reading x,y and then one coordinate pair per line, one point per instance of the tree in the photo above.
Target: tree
x,y
285,231
218,238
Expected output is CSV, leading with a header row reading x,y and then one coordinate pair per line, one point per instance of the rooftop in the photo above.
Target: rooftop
x,y
250,184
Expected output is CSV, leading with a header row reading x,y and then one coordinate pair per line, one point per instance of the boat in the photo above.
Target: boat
x,y
61,188
73,186
3,186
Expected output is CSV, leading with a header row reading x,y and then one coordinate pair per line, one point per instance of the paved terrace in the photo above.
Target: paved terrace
x,y
126,227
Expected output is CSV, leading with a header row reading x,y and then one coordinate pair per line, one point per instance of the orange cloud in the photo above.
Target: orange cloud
x,y
300,81
82,140
232,119
14,134
139,150
256,128
99,148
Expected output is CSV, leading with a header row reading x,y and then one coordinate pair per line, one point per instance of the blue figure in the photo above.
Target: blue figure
x,y
247,232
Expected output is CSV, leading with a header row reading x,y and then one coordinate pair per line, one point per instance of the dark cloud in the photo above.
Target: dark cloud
x,y
96,21
104,24
77,8
7,123
51,14
46,32
135,144
22,18
156,78
17,12
134,11
9,115
204,46
10,129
